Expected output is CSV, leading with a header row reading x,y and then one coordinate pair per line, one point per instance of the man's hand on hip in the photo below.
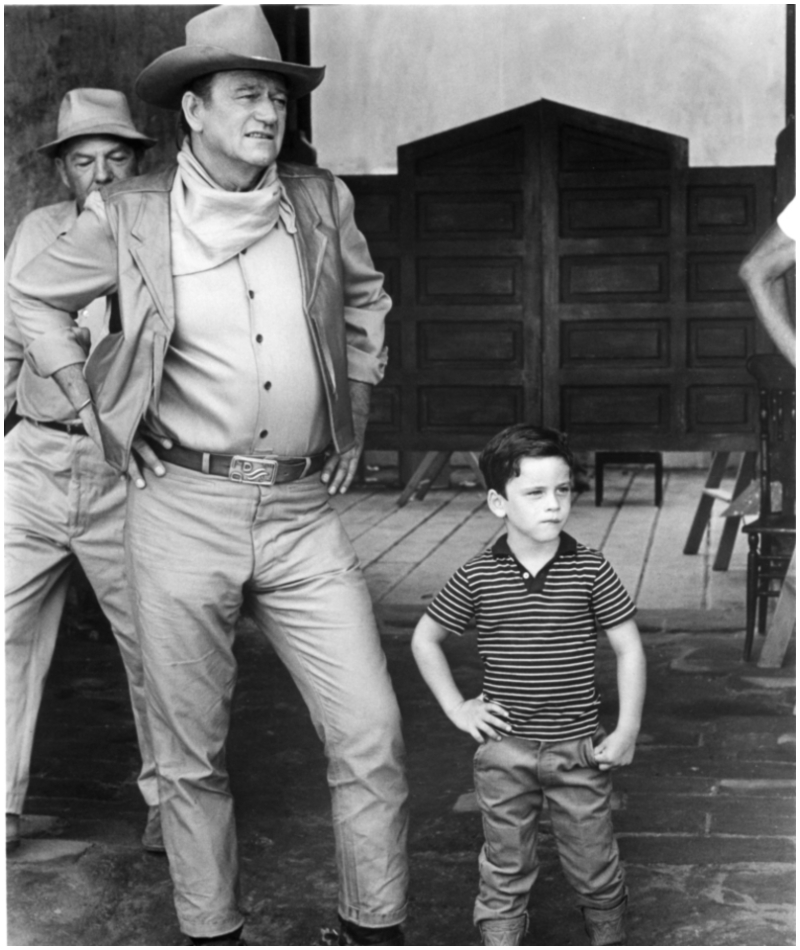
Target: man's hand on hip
x,y
340,469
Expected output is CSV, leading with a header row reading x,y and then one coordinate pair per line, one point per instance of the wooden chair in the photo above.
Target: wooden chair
x,y
771,536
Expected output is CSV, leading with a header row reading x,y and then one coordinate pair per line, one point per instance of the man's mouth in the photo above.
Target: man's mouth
x,y
267,136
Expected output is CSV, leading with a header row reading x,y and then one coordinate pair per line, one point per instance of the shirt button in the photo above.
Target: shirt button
x,y
244,251
259,338
526,576
267,386
252,294
263,434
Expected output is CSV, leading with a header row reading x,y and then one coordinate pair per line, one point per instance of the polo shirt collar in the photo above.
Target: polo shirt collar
x,y
535,585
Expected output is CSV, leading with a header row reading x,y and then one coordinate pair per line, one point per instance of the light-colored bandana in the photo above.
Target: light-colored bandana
x,y
210,225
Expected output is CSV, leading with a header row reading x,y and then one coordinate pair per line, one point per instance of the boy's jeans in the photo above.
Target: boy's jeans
x,y
512,778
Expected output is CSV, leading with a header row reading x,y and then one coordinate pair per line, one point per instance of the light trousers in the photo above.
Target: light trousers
x,y
200,549
62,503
513,777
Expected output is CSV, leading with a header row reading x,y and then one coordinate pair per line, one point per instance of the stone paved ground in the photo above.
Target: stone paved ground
x,y
705,815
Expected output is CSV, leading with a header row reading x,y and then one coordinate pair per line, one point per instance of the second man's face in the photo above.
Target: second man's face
x,y
88,162
243,123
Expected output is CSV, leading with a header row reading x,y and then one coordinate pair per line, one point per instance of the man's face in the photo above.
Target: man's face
x,y
88,162
239,131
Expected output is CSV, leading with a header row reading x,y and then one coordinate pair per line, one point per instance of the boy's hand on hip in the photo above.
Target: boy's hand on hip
x,y
615,750
482,720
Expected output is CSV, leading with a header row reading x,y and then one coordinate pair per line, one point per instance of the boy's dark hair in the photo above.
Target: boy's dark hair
x,y
500,459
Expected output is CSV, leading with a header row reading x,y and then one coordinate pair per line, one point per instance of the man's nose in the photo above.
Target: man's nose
x,y
102,171
266,111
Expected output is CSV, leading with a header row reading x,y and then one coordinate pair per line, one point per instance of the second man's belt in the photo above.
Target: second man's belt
x,y
250,469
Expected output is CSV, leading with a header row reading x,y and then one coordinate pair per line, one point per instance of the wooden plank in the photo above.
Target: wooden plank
x,y
387,533
629,539
783,622
476,530
369,510
671,578
591,525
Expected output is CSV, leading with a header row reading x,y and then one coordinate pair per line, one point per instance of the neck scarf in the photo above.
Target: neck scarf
x,y
210,225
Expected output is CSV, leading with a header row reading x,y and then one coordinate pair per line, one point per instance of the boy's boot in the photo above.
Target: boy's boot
x,y
606,928
504,931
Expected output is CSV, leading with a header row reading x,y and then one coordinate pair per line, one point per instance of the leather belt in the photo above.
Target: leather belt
x,y
249,469
71,428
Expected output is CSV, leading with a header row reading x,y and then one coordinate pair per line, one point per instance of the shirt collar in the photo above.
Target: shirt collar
x,y
535,585
566,545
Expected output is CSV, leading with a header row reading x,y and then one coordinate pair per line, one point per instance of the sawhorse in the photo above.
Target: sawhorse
x,y
429,470
711,492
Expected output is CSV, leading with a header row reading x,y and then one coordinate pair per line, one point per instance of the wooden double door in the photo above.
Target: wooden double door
x,y
556,266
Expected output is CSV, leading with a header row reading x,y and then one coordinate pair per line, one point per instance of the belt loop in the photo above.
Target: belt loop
x,y
306,466
205,464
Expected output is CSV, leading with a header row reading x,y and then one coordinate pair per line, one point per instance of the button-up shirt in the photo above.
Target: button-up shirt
x,y
37,398
240,374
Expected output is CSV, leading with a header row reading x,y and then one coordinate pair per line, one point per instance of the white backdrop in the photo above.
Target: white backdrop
x,y
713,73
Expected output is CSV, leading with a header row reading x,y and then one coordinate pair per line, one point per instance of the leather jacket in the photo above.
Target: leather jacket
x,y
121,248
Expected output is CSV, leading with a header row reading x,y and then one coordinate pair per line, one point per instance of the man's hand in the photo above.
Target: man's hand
x,y
480,719
340,470
142,457
615,750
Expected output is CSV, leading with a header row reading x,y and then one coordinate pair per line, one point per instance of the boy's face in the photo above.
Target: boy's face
x,y
538,501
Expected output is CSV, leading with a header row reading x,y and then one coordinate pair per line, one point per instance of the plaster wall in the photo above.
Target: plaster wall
x,y
713,73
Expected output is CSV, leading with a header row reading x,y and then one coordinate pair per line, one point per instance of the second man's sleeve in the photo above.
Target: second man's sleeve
x,y
47,293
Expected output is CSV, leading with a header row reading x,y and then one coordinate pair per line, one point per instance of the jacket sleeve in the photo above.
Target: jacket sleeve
x,y
366,303
13,349
47,293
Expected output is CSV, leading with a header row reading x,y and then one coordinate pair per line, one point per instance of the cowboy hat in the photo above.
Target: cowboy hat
x,y
226,37
94,112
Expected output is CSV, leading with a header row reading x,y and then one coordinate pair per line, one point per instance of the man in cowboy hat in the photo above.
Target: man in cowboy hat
x,y
63,502
253,321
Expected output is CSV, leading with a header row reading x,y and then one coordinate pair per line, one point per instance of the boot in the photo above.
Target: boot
x,y
606,928
12,832
504,931
353,935
153,839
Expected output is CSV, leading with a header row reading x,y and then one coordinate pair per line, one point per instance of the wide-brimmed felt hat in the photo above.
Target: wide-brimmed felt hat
x,y
226,37
94,112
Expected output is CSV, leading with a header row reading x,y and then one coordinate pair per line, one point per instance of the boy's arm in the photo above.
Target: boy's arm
x,y
480,719
618,748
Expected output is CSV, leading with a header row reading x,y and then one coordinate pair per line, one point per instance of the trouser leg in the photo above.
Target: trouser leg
x,y
309,595
32,617
189,554
37,561
98,545
579,797
510,799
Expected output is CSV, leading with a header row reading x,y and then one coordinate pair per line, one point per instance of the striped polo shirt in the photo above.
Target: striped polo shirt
x,y
537,636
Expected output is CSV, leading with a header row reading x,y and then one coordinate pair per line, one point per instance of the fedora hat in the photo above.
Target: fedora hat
x,y
225,37
94,112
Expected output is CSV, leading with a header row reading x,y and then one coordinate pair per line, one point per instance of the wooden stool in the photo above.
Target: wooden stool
x,y
640,458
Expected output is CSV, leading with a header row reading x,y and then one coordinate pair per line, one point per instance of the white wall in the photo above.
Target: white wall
x,y
713,73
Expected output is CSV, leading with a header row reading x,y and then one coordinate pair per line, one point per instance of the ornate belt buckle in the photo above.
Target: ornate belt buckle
x,y
253,471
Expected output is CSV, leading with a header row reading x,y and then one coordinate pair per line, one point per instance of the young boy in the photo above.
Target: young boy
x,y
538,597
